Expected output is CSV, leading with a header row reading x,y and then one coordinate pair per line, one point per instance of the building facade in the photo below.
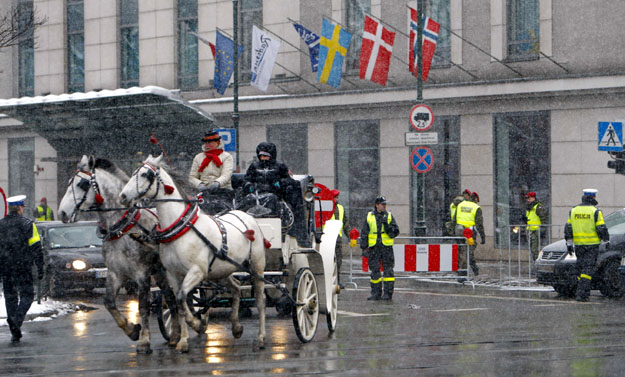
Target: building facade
x,y
517,88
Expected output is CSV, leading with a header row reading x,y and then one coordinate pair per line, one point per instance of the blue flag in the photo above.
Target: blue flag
x,y
334,44
312,40
224,63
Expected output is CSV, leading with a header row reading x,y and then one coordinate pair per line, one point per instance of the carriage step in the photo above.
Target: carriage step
x,y
244,275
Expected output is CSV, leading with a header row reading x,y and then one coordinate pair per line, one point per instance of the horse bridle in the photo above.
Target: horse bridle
x,y
152,175
84,184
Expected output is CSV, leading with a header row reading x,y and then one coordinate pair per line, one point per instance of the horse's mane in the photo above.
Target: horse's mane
x,y
181,180
109,166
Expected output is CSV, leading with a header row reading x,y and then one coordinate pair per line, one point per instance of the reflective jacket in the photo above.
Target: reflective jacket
x,y
465,213
341,213
20,245
43,213
373,231
584,220
533,220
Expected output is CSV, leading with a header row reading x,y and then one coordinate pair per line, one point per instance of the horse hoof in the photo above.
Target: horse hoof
x,y
237,331
258,345
182,348
136,330
144,349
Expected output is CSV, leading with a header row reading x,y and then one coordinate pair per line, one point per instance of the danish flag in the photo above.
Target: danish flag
x,y
376,50
430,36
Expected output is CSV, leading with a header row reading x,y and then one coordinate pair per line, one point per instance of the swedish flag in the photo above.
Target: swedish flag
x,y
334,44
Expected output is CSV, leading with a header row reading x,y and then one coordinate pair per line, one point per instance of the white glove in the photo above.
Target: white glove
x,y
202,187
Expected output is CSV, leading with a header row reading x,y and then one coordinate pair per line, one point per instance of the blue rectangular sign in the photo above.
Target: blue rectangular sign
x,y
228,138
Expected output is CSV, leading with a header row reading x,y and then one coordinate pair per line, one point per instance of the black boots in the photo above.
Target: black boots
x,y
388,290
376,292
583,290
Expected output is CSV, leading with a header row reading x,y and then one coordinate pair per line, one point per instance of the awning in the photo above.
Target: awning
x,y
113,123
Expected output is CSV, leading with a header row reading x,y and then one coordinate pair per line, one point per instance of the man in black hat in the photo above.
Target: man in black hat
x,y
211,173
20,247
376,242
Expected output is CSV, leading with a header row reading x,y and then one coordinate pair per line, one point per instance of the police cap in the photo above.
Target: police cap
x,y
17,200
590,192
380,200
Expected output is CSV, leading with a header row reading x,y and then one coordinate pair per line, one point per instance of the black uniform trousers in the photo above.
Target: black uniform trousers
x,y
19,294
384,255
586,261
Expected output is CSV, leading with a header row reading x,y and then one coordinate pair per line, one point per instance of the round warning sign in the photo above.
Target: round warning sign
x,y
421,117
324,205
422,159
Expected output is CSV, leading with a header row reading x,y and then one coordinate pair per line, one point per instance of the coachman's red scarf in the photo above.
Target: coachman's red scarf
x,y
212,155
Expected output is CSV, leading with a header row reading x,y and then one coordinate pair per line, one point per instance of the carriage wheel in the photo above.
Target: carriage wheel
x,y
306,311
163,316
333,311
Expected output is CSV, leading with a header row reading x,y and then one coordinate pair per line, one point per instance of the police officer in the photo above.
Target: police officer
x,y
584,231
469,215
20,247
376,242
535,215
42,212
339,214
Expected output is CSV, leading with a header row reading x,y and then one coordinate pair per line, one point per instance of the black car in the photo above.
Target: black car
x,y
73,254
557,268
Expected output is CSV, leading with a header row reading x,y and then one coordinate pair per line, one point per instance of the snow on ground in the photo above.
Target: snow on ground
x,y
45,311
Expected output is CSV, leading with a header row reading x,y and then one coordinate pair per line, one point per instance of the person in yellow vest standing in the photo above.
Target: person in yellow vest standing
x,y
42,212
535,215
583,232
469,215
376,242
339,214
450,225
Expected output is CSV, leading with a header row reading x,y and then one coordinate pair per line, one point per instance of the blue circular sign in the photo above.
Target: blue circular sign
x,y
422,159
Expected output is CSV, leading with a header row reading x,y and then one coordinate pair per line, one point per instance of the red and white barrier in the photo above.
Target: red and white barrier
x,y
422,258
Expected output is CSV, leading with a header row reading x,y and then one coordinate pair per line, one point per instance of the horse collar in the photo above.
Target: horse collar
x,y
179,227
128,220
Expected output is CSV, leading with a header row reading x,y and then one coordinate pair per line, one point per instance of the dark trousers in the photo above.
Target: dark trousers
x,y
382,254
338,252
534,235
18,296
586,261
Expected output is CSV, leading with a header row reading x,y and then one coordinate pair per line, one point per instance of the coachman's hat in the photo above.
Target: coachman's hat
x,y
17,200
211,136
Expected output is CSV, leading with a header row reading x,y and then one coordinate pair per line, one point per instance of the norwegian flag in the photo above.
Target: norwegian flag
x,y
430,36
376,50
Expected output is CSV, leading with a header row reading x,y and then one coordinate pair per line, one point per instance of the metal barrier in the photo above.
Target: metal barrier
x,y
515,234
459,241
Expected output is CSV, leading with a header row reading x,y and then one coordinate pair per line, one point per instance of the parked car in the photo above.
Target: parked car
x,y
73,255
557,268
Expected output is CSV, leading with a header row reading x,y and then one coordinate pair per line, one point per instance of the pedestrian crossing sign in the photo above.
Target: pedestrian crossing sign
x,y
611,136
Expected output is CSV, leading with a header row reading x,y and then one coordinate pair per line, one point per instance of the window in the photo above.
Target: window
x,y
21,162
523,29
251,14
357,167
355,21
75,46
438,10
294,155
129,44
26,80
522,164
442,182
187,44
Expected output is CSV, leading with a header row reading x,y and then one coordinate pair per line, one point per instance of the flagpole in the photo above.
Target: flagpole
x,y
420,229
235,97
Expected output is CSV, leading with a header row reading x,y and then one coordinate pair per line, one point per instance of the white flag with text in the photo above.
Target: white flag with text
x,y
264,52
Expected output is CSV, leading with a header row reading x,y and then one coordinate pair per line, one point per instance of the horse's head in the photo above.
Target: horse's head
x,y
145,182
80,193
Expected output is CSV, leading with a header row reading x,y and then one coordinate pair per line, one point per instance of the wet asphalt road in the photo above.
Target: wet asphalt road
x,y
451,330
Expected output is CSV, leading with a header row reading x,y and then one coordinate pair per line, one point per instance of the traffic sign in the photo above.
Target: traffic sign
x,y
228,138
421,117
324,205
421,138
422,159
3,203
610,136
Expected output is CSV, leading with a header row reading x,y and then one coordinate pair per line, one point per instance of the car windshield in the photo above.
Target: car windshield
x,y
74,236
615,223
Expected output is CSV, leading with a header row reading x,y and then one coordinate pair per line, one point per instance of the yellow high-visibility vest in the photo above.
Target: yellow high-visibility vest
x,y
582,220
373,231
465,213
532,218
341,216
45,215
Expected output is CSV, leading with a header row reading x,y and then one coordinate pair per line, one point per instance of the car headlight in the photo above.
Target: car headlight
x,y
79,265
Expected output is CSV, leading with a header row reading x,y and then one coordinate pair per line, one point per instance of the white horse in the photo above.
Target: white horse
x,y
192,243
97,184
